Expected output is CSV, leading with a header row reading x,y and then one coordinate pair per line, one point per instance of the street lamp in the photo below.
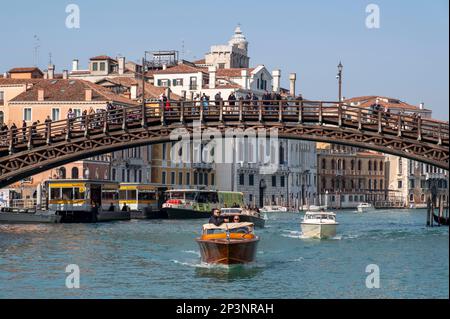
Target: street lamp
x,y
339,77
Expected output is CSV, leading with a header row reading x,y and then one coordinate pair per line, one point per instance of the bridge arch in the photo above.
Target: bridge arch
x,y
54,144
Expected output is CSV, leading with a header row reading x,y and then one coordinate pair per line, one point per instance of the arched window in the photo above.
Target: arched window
x,y
352,183
370,165
333,164
324,163
381,166
381,184
343,165
62,172
370,184
375,184
339,162
75,173
352,165
359,165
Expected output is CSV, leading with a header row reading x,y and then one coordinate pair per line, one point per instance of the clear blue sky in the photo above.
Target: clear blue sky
x,y
407,57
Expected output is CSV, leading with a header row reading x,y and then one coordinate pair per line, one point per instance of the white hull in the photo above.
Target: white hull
x,y
313,230
364,209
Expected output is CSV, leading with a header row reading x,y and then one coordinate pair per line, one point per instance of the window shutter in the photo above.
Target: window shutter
x,y
159,82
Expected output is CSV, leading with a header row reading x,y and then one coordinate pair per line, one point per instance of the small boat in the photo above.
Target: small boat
x,y
364,207
15,216
273,209
441,220
319,225
229,243
245,215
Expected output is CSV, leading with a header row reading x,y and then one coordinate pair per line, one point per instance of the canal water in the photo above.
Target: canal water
x,y
160,259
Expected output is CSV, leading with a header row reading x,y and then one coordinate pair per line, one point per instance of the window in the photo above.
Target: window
x,y
55,114
2,117
177,82
274,181
195,178
27,114
180,178
188,178
75,172
241,179
102,66
2,97
213,179
193,83
172,178
113,174
200,178
381,166
281,181
250,197
251,179
400,184
94,66
62,172
163,177
412,183
164,151
324,163
77,112
381,184
221,65
206,179
370,165
359,165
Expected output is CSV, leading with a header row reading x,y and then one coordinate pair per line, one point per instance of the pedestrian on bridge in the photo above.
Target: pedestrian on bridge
x,y
24,131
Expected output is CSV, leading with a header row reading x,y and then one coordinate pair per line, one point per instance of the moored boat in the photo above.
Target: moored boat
x,y
319,225
191,203
273,209
441,220
229,243
14,216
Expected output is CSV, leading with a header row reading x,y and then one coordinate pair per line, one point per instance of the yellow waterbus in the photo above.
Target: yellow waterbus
x,y
138,197
85,200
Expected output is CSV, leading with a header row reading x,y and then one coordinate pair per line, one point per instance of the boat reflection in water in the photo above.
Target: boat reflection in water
x,y
229,243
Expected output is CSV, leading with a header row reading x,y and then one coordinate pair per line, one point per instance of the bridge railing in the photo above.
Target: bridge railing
x,y
299,111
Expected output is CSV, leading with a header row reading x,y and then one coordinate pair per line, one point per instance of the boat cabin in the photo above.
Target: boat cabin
x,y
138,197
320,216
228,230
82,195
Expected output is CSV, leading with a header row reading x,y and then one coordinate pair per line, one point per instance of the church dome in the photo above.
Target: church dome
x,y
239,39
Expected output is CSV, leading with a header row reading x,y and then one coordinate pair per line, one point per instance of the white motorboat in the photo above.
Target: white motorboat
x,y
364,207
319,225
273,209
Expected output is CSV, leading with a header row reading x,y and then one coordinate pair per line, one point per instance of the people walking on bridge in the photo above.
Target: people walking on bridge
x,y
218,98
205,101
14,134
3,134
24,131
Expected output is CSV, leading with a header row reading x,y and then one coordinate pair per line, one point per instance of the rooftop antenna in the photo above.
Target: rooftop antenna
x,y
37,45
182,49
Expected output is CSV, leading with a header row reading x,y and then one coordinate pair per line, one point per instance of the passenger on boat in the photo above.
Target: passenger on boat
x,y
216,219
236,219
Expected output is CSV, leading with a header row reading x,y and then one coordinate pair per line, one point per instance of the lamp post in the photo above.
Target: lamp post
x,y
339,77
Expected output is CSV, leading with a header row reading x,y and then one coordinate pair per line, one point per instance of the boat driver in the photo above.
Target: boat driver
x,y
216,219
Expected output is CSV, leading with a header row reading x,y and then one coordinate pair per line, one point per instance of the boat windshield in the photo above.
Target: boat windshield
x,y
320,216
240,230
183,195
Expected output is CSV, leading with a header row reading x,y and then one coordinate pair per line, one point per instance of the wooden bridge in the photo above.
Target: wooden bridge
x,y
49,145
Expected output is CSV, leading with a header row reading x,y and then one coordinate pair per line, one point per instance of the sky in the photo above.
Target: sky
x,y
407,57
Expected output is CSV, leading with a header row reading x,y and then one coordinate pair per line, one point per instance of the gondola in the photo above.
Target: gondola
x,y
440,220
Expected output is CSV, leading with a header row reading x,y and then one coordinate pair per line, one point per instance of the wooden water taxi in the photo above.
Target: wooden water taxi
x,y
229,243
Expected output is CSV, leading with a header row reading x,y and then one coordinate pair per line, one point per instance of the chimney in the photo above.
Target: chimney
x,y
422,106
212,77
75,65
292,79
121,62
51,72
276,74
133,92
65,74
88,95
40,95
244,74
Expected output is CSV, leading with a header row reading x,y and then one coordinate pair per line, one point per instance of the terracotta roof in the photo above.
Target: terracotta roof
x,y
80,72
228,86
367,101
9,81
233,72
102,57
201,61
69,91
181,68
151,91
25,70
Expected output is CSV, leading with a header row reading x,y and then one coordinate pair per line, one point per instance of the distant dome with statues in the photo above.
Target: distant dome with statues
x,y
239,39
